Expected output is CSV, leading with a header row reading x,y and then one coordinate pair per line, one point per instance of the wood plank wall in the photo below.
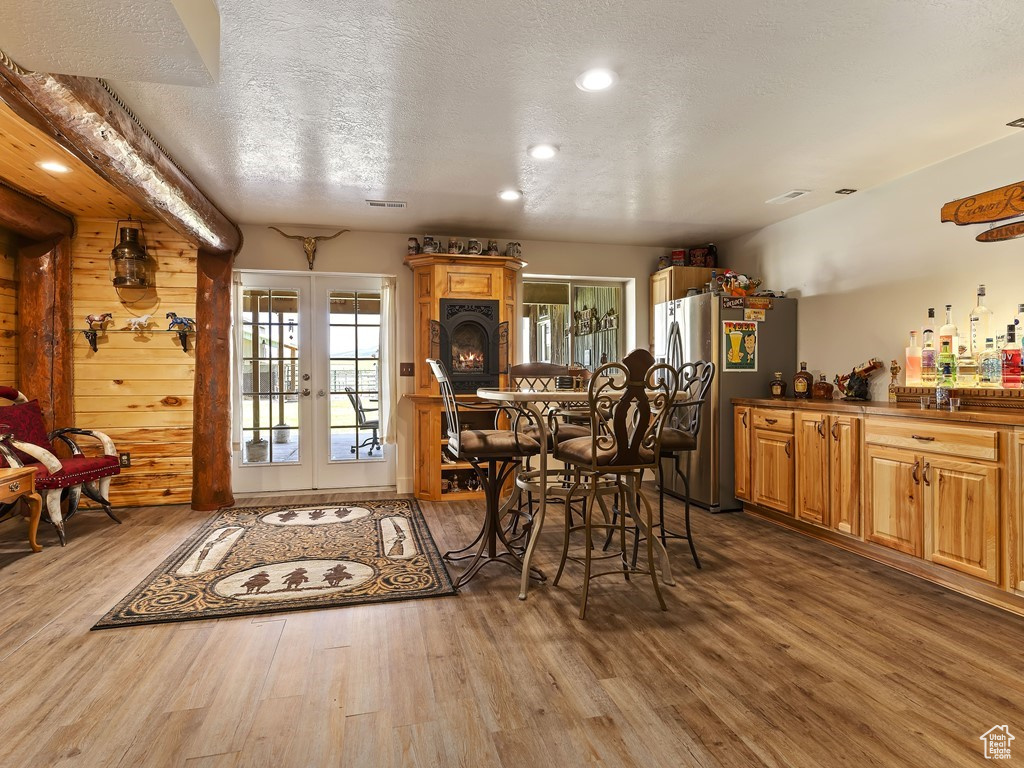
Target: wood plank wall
x,y
137,388
8,310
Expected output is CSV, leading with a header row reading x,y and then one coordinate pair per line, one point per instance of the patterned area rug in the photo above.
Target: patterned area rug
x,y
269,559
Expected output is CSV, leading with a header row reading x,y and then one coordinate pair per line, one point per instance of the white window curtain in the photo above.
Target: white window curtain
x,y
389,360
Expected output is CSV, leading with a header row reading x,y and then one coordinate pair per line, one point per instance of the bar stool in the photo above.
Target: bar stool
x,y
494,454
628,402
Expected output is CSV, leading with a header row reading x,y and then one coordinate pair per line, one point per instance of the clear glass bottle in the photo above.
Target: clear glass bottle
x,y
981,324
944,387
913,361
967,373
949,342
990,365
928,351
1019,321
803,383
778,386
1011,359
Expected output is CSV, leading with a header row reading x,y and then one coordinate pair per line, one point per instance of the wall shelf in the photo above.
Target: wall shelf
x,y
93,335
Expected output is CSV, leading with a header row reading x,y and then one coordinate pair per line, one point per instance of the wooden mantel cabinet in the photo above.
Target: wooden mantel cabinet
x,y
439,276
935,494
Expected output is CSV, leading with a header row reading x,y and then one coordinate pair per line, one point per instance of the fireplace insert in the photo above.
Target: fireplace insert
x,y
471,343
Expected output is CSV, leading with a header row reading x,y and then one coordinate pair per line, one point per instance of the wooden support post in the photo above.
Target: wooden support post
x,y
211,442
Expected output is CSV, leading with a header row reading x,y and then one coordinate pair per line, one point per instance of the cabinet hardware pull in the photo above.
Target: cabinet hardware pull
x,y
14,486
771,421
913,472
835,426
821,428
744,418
923,437
927,469
787,449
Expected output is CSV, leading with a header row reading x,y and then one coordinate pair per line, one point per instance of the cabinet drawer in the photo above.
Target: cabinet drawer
x,y
779,421
931,437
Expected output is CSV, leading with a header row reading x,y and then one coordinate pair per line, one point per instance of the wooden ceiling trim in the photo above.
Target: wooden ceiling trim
x,y
82,116
31,218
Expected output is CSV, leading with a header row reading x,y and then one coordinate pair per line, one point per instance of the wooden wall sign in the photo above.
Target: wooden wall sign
x,y
994,205
1002,232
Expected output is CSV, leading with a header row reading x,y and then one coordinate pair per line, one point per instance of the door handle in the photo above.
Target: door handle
x,y
927,470
913,472
771,421
787,450
744,418
305,377
305,392
835,435
821,428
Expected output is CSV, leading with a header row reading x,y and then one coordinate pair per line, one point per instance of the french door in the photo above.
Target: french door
x,y
308,391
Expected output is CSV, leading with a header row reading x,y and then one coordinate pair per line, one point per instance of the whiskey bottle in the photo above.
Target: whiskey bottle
x,y
822,389
802,383
913,361
990,365
778,386
949,341
928,351
1011,359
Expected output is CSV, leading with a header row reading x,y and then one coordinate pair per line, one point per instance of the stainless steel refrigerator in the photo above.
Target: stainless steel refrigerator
x,y
693,328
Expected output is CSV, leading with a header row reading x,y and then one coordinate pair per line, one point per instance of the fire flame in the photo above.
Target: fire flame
x,y
469,361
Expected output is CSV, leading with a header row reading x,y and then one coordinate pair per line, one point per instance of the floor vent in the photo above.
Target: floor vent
x,y
387,204
793,194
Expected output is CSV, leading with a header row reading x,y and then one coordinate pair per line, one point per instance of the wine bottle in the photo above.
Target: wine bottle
x,y
928,351
1011,359
913,361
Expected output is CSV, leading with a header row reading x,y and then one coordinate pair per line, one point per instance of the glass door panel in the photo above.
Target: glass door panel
x,y
354,414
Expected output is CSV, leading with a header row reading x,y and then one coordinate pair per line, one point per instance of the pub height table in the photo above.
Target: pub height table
x,y
537,402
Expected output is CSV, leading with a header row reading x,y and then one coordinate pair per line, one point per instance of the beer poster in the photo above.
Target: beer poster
x,y
740,347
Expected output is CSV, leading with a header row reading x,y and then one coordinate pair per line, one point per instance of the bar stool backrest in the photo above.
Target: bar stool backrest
x,y
451,411
694,382
631,422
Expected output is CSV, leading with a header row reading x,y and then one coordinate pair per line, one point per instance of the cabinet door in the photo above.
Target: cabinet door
x,y
961,516
1017,572
812,467
892,515
844,474
741,452
773,470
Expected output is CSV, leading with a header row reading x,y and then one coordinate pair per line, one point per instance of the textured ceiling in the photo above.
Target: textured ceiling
x,y
160,41
720,106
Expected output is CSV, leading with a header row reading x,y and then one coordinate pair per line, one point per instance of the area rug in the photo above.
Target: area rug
x,y
268,559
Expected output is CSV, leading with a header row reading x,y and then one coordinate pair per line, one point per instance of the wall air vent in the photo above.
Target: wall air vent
x,y
387,204
1018,123
793,194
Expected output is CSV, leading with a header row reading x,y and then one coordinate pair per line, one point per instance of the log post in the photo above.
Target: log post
x,y
211,441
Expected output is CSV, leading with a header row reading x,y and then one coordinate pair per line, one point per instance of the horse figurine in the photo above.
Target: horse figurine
x,y
98,321
179,323
138,324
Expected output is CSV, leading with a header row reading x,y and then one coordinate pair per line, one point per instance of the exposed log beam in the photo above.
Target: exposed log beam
x,y
31,219
86,119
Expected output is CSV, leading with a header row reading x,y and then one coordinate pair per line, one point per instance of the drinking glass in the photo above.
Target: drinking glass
x,y
954,403
926,402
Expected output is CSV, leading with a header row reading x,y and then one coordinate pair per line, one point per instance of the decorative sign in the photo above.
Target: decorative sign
x,y
739,352
754,315
1003,232
732,302
759,302
994,205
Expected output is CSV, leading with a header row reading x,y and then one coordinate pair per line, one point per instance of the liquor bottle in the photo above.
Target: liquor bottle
x,y
913,361
944,387
990,365
966,369
1011,359
778,386
822,389
928,351
802,383
981,324
949,342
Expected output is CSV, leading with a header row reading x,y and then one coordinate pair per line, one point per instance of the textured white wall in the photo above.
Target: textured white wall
x,y
867,267
382,253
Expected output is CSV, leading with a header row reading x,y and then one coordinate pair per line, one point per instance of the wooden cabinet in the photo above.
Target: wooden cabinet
x,y
892,509
1016,557
772,461
828,470
961,515
741,420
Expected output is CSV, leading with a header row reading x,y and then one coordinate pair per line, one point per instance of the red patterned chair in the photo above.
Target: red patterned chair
x,y
25,443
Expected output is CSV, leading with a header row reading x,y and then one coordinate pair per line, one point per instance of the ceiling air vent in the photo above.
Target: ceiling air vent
x,y
1018,123
793,194
387,204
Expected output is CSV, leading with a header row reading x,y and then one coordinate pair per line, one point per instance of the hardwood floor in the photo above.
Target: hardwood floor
x,y
782,651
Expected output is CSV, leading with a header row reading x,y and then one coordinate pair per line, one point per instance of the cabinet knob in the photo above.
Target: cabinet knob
x,y
771,421
14,486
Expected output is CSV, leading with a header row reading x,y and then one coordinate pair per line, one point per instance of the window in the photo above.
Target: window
x,y
570,323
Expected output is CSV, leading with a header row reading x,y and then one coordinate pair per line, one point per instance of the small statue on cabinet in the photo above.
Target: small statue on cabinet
x,y
138,324
492,247
414,246
894,371
513,250
98,322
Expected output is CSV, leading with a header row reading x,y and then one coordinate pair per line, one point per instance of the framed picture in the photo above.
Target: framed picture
x,y
739,346
586,358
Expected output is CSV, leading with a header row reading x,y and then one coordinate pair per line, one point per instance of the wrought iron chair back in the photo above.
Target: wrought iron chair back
x,y
628,402
694,382
451,411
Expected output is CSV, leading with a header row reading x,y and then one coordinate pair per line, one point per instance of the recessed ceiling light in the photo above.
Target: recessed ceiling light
x,y
542,151
845,191
53,166
510,194
598,79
